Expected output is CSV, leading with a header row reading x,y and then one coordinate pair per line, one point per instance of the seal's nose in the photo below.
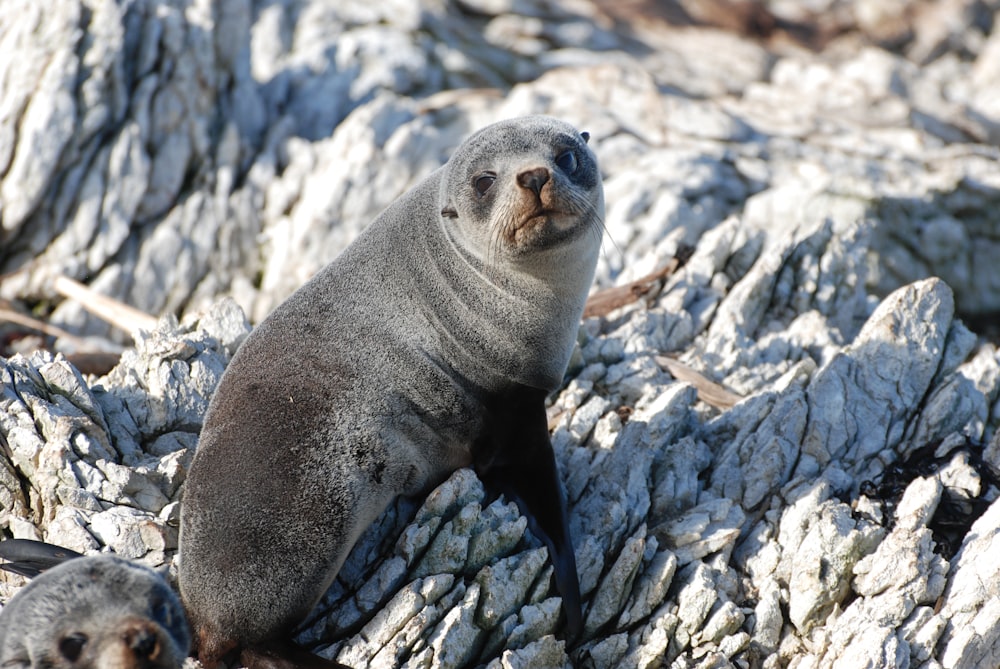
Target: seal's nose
x,y
534,179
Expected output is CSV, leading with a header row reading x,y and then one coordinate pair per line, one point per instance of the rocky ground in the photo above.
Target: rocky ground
x,y
830,166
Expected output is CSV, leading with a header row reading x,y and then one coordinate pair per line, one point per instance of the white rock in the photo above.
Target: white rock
x,y
169,153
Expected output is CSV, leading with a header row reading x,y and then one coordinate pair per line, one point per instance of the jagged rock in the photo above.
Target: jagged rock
x,y
970,634
109,456
841,209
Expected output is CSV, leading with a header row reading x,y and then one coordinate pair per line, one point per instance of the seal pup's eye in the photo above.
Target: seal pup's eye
x,y
484,182
71,645
567,162
586,137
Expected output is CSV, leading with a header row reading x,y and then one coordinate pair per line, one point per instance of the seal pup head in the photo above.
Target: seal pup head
x,y
99,612
523,190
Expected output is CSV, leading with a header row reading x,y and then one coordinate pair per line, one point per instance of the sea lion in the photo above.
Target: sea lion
x,y
97,612
429,344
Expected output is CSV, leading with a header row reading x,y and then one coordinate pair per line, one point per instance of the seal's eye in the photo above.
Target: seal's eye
x,y
567,162
71,645
484,182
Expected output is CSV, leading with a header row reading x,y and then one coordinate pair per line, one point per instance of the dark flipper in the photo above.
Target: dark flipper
x,y
30,558
513,456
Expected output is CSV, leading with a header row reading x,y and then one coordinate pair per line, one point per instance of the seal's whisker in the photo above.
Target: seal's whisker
x,y
598,226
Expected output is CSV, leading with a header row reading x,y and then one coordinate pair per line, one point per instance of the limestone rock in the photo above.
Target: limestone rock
x,y
840,203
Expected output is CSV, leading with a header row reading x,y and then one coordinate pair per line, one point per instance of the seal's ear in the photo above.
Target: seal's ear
x,y
449,211
586,137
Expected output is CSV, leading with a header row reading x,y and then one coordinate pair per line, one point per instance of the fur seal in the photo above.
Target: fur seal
x,y
97,612
429,344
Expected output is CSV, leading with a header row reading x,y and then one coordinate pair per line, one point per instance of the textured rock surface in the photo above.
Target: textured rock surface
x,y
172,152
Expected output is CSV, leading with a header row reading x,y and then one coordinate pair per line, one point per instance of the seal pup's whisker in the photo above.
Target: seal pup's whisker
x,y
601,230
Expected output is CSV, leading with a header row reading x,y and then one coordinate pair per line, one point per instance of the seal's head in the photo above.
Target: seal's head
x,y
522,203
99,612
524,186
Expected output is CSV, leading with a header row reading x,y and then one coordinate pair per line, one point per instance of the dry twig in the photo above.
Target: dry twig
x,y
106,308
605,301
709,392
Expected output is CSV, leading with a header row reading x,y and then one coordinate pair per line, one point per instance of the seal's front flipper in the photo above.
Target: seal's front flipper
x,y
30,558
513,456
534,486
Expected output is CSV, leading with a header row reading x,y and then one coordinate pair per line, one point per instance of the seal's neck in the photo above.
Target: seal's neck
x,y
511,319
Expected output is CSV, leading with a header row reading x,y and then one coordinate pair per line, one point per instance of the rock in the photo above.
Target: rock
x,y
113,451
840,203
969,636
546,653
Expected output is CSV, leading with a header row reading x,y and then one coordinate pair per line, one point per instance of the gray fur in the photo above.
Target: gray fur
x,y
367,383
99,612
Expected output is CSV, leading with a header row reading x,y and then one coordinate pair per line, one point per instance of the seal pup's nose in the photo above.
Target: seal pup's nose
x,y
533,179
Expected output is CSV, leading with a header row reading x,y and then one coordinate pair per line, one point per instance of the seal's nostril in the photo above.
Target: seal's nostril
x,y
141,641
533,179
71,646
